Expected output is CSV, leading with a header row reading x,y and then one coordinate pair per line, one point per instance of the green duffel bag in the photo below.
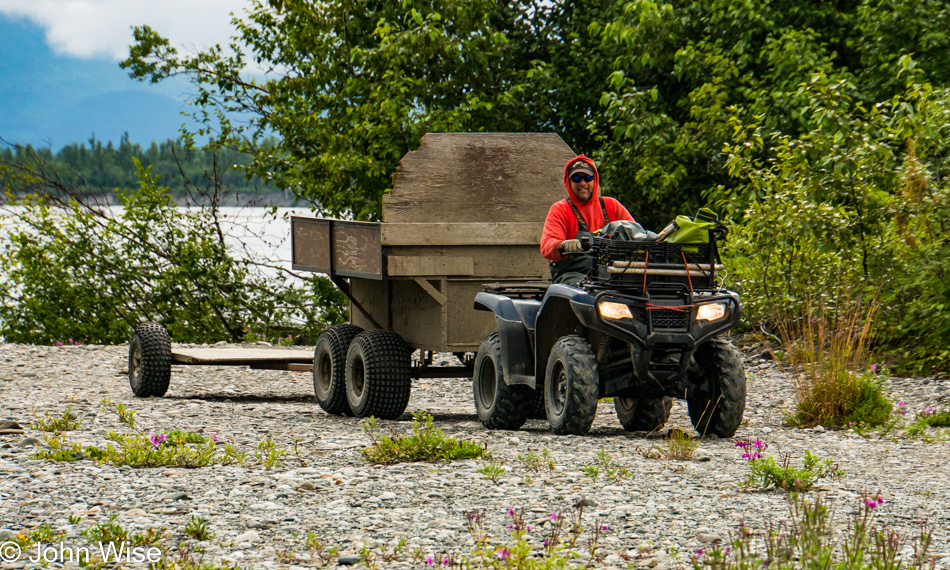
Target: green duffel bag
x,y
694,230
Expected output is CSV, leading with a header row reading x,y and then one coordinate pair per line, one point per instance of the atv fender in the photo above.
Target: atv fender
x,y
566,310
514,318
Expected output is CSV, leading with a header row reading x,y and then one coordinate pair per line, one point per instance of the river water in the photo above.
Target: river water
x,y
251,233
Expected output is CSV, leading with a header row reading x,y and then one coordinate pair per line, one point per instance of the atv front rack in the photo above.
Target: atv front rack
x,y
639,263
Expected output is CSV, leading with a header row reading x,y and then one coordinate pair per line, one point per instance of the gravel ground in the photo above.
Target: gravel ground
x,y
657,515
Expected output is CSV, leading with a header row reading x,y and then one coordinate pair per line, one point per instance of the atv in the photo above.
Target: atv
x,y
645,326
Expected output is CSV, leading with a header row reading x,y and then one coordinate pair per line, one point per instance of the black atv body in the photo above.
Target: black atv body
x,y
643,328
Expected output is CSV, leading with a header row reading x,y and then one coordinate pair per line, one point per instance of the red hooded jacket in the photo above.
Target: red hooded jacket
x,y
561,223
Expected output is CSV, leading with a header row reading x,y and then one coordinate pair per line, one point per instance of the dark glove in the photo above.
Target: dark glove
x,y
570,246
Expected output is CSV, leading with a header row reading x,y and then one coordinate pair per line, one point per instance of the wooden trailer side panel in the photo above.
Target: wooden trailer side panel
x,y
478,177
489,263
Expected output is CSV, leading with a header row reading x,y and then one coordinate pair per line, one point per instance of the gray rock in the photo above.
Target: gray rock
x,y
30,442
305,486
264,523
348,560
10,426
249,536
6,534
584,502
178,496
708,538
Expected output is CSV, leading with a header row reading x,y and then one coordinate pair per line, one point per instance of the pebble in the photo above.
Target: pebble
x,y
260,518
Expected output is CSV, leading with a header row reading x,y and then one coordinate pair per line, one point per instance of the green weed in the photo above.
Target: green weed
x,y
767,472
604,465
67,422
426,443
537,463
172,449
678,445
491,471
197,528
808,540
927,419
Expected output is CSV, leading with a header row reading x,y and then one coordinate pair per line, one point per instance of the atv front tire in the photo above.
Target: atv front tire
x,y
499,406
377,375
643,414
150,360
329,368
721,412
571,386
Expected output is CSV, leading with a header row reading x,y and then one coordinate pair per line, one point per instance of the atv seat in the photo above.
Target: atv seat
x,y
526,290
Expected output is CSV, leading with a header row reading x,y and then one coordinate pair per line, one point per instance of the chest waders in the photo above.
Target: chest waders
x,y
568,270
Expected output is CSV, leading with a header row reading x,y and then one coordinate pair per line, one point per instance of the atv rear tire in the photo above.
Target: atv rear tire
x,y
329,368
643,414
150,360
571,386
377,375
536,406
499,406
721,413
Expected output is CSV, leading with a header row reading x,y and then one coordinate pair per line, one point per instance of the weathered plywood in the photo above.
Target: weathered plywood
x,y
466,328
417,316
311,244
357,251
417,265
478,177
234,356
490,262
451,233
374,297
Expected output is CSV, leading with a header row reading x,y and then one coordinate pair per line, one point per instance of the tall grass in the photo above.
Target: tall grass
x,y
829,353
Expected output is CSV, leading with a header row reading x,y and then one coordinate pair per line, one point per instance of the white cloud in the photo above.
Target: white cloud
x,y
91,28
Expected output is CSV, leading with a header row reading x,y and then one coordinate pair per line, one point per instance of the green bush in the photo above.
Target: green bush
x,y
828,352
72,269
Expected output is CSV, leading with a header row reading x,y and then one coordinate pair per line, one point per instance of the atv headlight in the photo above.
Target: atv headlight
x,y
611,310
711,312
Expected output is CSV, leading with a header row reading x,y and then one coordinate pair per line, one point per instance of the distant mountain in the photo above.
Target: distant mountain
x,y
53,100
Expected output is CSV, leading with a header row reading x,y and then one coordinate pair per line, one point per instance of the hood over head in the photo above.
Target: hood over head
x,y
582,164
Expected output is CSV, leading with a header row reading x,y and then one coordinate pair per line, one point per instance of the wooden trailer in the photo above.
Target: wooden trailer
x,y
465,209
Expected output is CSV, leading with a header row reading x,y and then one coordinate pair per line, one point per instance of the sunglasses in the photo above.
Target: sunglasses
x,y
579,177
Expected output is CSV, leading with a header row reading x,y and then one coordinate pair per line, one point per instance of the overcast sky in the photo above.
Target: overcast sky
x,y
59,76
102,28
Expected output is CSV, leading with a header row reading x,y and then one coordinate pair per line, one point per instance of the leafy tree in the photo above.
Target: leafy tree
x,y
351,87
72,269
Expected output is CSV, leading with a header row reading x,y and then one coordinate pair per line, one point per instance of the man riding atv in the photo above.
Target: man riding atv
x,y
631,315
568,221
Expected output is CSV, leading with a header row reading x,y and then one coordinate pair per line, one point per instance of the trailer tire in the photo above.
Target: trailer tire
x,y
571,386
150,360
498,405
329,368
377,375
721,413
643,414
